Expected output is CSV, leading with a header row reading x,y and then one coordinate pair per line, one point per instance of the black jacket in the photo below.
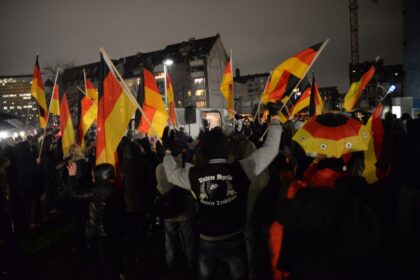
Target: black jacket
x,y
105,209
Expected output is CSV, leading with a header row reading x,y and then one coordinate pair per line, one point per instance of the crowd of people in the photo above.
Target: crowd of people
x,y
252,203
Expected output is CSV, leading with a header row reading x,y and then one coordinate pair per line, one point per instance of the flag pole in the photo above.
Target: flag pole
x,y
48,114
307,70
259,104
168,109
233,83
127,91
84,93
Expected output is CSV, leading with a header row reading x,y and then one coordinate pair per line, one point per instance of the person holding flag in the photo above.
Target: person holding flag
x,y
221,189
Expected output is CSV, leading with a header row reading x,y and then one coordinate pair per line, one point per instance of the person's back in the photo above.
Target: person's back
x,y
106,208
221,189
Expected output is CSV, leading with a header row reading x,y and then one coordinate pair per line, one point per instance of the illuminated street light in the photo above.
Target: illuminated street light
x,y
168,62
391,89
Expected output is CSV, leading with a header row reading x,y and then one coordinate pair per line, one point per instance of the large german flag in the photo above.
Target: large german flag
x,y
374,152
286,76
115,110
171,99
66,125
153,107
37,91
226,88
88,112
56,96
356,89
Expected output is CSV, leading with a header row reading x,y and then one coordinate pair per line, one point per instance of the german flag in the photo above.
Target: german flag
x,y
37,91
356,89
115,110
315,103
153,107
56,95
66,125
373,154
171,99
286,76
226,88
301,102
88,112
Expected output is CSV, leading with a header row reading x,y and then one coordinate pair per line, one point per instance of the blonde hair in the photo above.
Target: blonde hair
x,y
75,152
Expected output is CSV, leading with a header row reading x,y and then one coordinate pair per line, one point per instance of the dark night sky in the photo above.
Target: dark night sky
x,y
260,33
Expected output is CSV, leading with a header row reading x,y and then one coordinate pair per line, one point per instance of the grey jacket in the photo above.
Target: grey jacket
x,y
252,165
163,186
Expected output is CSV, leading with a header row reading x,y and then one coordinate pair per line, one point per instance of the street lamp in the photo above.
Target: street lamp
x,y
167,62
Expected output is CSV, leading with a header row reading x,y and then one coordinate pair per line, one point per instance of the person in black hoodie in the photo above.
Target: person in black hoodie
x,y
137,178
106,210
221,189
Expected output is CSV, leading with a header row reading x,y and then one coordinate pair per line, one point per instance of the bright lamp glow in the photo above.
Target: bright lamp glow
x,y
168,62
4,134
391,89
396,110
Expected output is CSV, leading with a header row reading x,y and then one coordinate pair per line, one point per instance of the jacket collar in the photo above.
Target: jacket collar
x,y
217,160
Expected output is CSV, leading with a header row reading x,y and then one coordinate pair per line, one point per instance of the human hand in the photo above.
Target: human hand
x,y
72,169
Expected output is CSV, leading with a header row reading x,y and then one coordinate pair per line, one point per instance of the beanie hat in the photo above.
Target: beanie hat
x,y
103,172
215,144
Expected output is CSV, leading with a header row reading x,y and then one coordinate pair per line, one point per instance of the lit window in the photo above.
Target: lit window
x,y
5,108
12,107
200,104
200,92
189,93
199,80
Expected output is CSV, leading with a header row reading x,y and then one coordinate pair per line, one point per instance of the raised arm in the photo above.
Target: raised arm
x,y
75,191
176,175
261,158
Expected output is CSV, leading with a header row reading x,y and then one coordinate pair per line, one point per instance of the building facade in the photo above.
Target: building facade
x,y
248,90
15,97
196,71
411,59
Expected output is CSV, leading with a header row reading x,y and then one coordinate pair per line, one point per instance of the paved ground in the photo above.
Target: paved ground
x,y
49,253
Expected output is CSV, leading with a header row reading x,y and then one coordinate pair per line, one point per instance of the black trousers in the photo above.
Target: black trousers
x,y
109,250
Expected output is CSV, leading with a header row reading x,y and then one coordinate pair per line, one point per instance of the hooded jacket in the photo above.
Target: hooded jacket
x,y
105,209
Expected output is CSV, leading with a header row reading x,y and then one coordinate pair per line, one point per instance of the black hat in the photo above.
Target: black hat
x,y
215,144
103,172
